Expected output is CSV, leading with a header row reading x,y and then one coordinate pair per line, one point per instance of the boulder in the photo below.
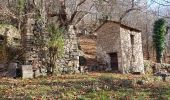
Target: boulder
x,y
164,75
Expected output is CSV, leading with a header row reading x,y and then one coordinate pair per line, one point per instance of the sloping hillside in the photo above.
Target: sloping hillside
x,y
88,46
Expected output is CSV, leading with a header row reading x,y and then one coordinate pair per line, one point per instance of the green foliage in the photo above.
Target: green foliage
x,y
56,40
159,38
21,5
55,46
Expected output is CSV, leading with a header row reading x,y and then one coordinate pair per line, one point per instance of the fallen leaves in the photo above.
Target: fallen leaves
x,y
92,85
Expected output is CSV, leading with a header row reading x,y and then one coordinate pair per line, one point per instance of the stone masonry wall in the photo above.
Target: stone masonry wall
x,y
70,62
108,40
30,54
132,55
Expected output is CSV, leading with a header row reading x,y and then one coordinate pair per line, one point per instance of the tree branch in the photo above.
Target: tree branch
x,y
75,12
129,10
126,12
84,14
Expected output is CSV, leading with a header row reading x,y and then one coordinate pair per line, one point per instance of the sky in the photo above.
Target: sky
x,y
162,3
163,6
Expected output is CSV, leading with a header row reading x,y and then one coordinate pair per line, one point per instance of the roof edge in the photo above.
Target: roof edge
x,y
121,25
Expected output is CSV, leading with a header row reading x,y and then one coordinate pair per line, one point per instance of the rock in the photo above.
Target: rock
x,y
70,64
12,70
27,71
164,75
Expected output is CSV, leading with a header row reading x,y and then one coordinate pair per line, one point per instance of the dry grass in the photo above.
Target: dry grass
x,y
98,86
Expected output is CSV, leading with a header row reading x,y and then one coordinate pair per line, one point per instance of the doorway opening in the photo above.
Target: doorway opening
x,y
114,61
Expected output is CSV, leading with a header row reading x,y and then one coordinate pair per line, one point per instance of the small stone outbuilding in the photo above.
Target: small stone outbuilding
x,y
119,48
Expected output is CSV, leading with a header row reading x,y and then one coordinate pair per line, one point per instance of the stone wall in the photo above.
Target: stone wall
x,y
113,38
29,44
66,64
70,62
132,54
108,40
11,33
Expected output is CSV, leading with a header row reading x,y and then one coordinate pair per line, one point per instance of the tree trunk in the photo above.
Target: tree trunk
x,y
159,58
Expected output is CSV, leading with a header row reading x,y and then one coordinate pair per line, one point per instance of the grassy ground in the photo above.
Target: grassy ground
x,y
96,86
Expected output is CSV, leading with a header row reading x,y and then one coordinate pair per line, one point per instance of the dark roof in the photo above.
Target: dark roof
x,y
130,28
121,25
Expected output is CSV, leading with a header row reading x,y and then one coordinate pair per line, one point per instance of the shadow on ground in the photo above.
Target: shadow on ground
x,y
101,86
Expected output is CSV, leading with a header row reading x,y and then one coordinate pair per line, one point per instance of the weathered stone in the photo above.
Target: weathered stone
x,y
12,70
27,71
40,72
71,51
30,54
122,41
70,64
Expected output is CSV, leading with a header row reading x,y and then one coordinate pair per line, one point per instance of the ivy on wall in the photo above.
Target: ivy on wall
x,y
159,38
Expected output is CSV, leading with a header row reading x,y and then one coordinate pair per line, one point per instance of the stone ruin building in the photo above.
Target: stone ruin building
x,y
119,48
69,63
71,59
35,53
